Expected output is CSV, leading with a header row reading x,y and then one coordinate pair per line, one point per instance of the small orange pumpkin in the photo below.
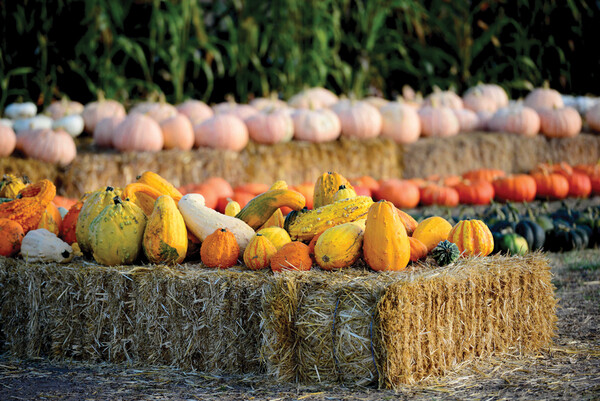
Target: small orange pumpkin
x,y
220,249
292,256
11,236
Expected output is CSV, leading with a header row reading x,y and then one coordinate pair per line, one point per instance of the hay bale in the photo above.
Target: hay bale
x,y
479,307
36,170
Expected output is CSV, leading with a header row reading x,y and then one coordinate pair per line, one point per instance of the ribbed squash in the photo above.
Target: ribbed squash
x,y
339,246
51,219
92,206
344,192
277,235
258,253
29,205
160,184
432,230
276,220
258,210
307,225
11,185
68,226
473,237
116,233
203,221
418,250
143,195
232,208
386,246
326,186
220,249
165,236
445,252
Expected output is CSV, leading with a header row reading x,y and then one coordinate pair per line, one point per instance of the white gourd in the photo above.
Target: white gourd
x,y
43,246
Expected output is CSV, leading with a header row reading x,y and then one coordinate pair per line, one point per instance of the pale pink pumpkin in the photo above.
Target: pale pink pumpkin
x,y
223,131
376,101
95,111
268,103
492,91
592,116
8,140
467,119
55,147
544,98
359,119
178,132
196,110
560,123
241,111
25,137
520,120
476,101
444,99
321,125
438,121
159,111
313,98
62,108
484,118
400,122
138,132
271,127
104,131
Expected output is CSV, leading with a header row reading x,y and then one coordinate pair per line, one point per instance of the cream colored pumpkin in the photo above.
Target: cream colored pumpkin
x,y
223,131
138,132
196,110
50,146
178,132
270,127
94,112
438,122
560,123
313,98
400,123
359,119
519,120
104,131
316,126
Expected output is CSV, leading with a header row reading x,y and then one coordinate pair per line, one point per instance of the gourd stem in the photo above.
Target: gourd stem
x,y
117,200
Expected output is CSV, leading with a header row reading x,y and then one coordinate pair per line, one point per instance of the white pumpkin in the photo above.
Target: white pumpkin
x,y
37,122
6,122
43,246
16,111
73,124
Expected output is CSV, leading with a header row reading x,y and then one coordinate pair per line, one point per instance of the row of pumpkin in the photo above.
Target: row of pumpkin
x,y
150,217
315,115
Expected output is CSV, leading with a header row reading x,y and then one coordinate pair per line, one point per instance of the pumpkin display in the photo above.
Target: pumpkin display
x,y
432,230
270,127
178,132
473,238
195,110
516,188
359,119
55,147
386,246
29,205
339,246
418,250
104,131
43,246
116,233
445,253
438,122
220,249
8,140
138,132
517,120
475,192
560,123
259,252
11,236
292,256
68,225
400,123
94,112
543,98
259,209
92,206
165,237
326,186
222,131
404,194
316,126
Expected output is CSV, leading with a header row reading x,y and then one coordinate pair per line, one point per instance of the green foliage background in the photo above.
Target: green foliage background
x,y
247,48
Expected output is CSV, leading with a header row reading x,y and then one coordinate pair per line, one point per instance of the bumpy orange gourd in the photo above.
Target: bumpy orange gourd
x,y
30,204
220,249
339,246
432,230
473,238
385,243
292,256
11,236
326,186
259,252
68,226
165,236
418,250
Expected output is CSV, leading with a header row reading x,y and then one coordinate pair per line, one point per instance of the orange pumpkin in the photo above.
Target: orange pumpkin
x,y
292,256
475,192
408,222
11,236
487,174
29,207
434,194
550,185
402,193
220,249
516,188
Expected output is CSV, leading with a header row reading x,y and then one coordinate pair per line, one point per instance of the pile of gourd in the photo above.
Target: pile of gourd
x,y
150,220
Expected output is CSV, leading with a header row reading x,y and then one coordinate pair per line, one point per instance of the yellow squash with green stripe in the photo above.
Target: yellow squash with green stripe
x,y
258,210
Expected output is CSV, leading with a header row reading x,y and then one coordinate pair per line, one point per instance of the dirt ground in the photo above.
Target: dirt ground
x,y
569,370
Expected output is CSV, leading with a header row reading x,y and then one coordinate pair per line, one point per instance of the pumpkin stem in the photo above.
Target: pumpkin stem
x,y
223,230
109,188
342,187
117,200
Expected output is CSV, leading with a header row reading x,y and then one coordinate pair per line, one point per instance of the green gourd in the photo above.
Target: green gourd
x,y
92,206
445,252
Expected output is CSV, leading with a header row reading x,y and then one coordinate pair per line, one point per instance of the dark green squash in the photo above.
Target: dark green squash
x,y
565,238
511,244
293,215
445,252
532,232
